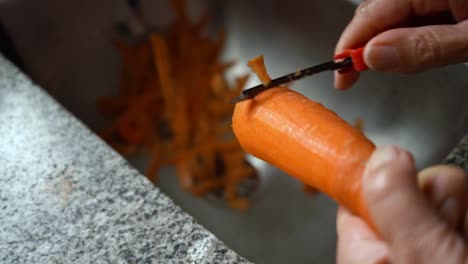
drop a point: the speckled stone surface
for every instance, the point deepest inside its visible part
(65, 197)
(459, 156)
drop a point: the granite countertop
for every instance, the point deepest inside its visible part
(459, 156)
(65, 197)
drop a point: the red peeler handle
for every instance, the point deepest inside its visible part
(357, 56)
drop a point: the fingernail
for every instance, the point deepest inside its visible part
(382, 58)
(379, 160)
(450, 211)
(381, 157)
(337, 81)
(339, 84)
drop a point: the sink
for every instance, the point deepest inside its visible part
(65, 47)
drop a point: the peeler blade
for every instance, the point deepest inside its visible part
(327, 66)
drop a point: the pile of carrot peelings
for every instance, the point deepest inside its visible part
(173, 105)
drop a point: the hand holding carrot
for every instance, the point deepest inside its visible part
(428, 226)
(407, 35)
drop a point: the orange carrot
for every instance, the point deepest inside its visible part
(257, 65)
(307, 141)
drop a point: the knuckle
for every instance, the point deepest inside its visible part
(406, 158)
(427, 48)
(380, 185)
(383, 179)
(364, 8)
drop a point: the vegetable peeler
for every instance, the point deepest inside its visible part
(348, 60)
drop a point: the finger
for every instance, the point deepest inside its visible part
(446, 187)
(371, 18)
(348, 223)
(408, 50)
(376, 16)
(356, 241)
(344, 81)
(459, 9)
(400, 211)
(389, 183)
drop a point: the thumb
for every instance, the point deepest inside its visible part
(407, 50)
(405, 219)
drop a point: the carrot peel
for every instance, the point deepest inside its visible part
(257, 65)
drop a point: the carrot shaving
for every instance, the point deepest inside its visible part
(359, 124)
(173, 105)
(257, 65)
(309, 189)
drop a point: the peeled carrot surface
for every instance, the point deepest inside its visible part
(307, 141)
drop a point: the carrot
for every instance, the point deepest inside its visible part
(257, 65)
(307, 141)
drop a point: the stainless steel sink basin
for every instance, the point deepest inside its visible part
(65, 46)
